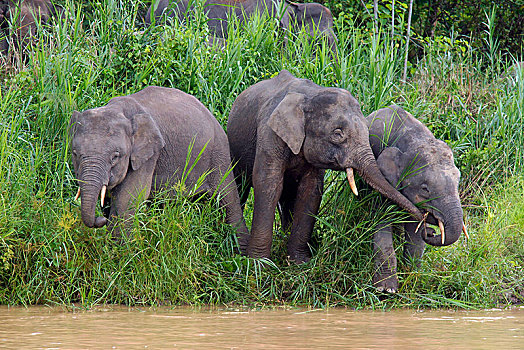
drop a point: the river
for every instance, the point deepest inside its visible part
(117, 327)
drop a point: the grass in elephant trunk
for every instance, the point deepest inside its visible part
(182, 252)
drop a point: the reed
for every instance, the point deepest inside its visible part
(180, 251)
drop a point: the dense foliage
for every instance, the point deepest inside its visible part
(181, 251)
(436, 21)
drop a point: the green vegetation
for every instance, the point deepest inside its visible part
(181, 251)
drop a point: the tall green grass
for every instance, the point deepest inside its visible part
(181, 251)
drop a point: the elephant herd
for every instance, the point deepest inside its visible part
(19, 19)
(282, 135)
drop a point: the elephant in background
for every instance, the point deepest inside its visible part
(316, 18)
(138, 144)
(284, 132)
(24, 16)
(423, 169)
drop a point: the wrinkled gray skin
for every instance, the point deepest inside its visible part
(284, 132)
(24, 16)
(399, 141)
(137, 144)
(315, 17)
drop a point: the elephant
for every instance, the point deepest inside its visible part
(24, 16)
(137, 145)
(316, 18)
(411, 158)
(283, 133)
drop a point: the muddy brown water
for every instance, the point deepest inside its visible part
(114, 327)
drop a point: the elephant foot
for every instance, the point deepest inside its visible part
(258, 254)
(385, 284)
(299, 257)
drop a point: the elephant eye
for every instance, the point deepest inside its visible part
(425, 188)
(115, 157)
(75, 154)
(338, 135)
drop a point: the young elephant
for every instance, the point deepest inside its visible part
(138, 143)
(411, 158)
(316, 18)
(284, 132)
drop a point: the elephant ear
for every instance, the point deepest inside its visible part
(146, 140)
(287, 121)
(389, 163)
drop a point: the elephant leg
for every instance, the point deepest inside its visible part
(267, 186)
(385, 277)
(309, 195)
(415, 245)
(229, 200)
(287, 203)
(135, 188)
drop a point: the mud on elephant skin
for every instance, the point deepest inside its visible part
(423, 168)
(316, 18)
(24, 16)
(284, 132)
(138, 144)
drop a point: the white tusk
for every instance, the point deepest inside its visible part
(442, 233)
(77, 194)
(351, 179)
(103, 195)
(465, 231)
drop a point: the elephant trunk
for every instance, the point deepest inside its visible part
(368, 169)
(452, 226)
(91, 184)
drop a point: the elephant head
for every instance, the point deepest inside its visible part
(329, 129)
(422, 166)
(427, 174)
(104, 145)
(315, 18)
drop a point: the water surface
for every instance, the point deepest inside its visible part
(114, 327)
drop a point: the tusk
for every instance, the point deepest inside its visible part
(77, 194)
(465, 231)
(421, 221)
(103, 195)
(351, 179)
(442, 233)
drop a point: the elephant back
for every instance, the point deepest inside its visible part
(394, 127)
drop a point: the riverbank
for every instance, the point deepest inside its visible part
(181, 252)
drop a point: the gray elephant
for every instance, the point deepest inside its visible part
(314, 17)
(412, 159)
(138, 144)
(284, 132)
(24, 16)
